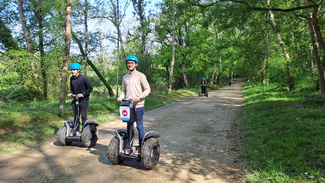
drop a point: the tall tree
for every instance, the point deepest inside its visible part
(172, 63)
(316, 34)
(64, 72)
(85, 56)
(101, 77)
(32, 82)
(139, 8)
(38, 11)
(117, 20)
(284, 50)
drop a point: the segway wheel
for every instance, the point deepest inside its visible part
(113, 151)
(206, 94)
(61, 136)
(150, 153)
(89, 136)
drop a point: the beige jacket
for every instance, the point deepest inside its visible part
(135, 85)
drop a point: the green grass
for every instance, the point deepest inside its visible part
(283, 135)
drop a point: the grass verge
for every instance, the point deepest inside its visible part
(283, 135)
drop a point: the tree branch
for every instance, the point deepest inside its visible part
(101, 77)
(197, 3)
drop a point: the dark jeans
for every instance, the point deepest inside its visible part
(203, 89)
(139, 117)
(83, 107)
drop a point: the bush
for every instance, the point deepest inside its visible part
(16, 94)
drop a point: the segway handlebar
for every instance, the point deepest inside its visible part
(127, 100)
(76, 97)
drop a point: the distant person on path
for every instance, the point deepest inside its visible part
(136, 87)
(204, 84)
(81, 86)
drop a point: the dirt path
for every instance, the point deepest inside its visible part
(198, 144)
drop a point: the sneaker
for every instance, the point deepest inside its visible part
(138, 151)
(77, 133)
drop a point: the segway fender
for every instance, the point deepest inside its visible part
(88, 122)
(121, 136)
(150, 134)
(68, 123)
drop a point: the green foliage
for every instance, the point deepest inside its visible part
(16, 93)
(6, 38)
(283, 135)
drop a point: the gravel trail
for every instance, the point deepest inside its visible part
(199, 143)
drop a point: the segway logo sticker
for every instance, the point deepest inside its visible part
(124, 113)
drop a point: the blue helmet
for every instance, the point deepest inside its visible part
(76, 66)
(203, 77)
(132, 58)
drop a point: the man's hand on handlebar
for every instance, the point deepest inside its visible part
(134, 100)
(80, 95)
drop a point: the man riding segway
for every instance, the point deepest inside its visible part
(135, 88)
(80, 88)
(204, 85)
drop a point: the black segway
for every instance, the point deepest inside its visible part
(68, 133)
(121, 147)
(203, 94)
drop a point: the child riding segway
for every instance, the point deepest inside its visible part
(121, 147)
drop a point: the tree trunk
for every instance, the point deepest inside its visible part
(66, 59)
(312, 22)
(101, 77)
(116, 20)
(139, 9)
(39, 16)
(317, 29)
(85, 57)
(212, 80)
(32, 81)
(290, 79)
(184, 75)
(266, 61)
(171, 71)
